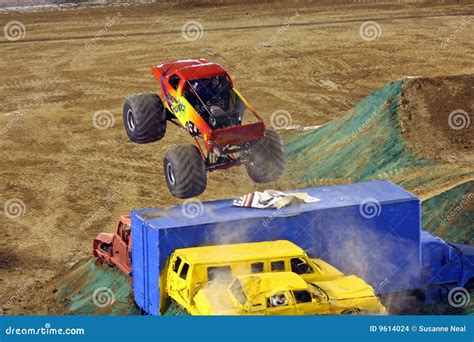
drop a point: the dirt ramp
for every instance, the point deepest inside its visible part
(94, 288)
(417, 132)
(435, 117)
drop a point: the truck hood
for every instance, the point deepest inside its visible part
(327, 271)
(346, 288)
(213, 300)
(105, 237)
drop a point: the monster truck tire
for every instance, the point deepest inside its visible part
(144, 118)
(185, 171)
(266, 160)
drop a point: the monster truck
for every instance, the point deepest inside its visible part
(200, 97)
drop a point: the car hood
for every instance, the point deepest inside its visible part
(213, 300)
(326, 271)
(105, 238)
(346, 288)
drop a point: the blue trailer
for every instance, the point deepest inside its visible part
(371, 229)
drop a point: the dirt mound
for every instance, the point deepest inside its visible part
(404, 132)
(435, 117)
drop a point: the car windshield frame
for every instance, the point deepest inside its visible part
(318, 292)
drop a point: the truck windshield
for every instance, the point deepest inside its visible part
(238, 292)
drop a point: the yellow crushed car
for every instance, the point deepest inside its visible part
(286, 293)
(190, 269)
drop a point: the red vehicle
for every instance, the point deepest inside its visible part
(200, 97)
(115, 248)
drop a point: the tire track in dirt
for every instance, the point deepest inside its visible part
(247, 27)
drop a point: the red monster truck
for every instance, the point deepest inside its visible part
(200, 97)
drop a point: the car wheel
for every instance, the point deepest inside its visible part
(351, 312)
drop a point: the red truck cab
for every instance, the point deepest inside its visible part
(115, 248)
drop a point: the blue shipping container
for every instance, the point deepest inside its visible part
(371, 229)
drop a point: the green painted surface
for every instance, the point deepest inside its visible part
(358, 146)
(451, 214)
(93, 288)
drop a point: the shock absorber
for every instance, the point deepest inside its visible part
(212, 157)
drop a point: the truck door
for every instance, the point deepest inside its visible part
(120, 245)
(174, 100)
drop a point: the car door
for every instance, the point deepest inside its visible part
(304, 302)
(178, 274)
(182, 283)
(120, 247)
(280, 303)
(309, 304)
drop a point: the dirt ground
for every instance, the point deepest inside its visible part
(68, 168)
(435, 119)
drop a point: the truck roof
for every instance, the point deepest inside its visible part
(240, 252)
(222, 211)
(191, 69)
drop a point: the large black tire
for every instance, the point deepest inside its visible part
(266, 160)
(144, 118)
(185, 171)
